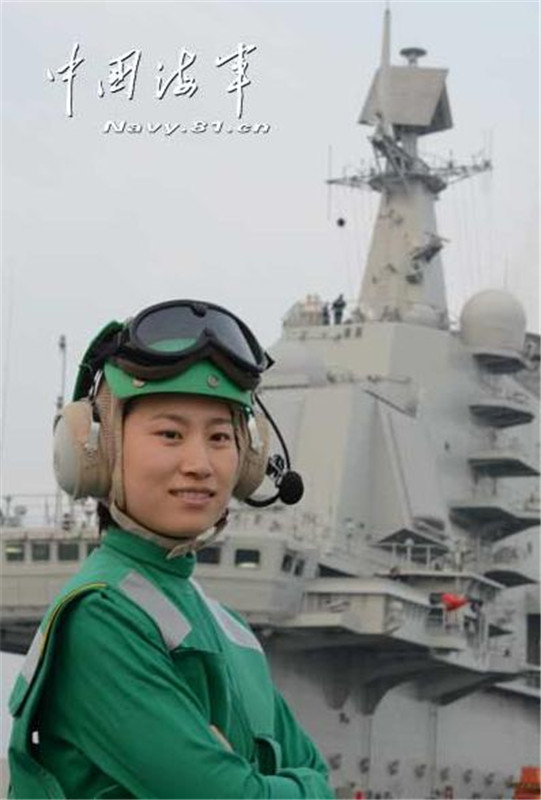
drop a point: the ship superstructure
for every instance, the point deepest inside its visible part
(399, 602)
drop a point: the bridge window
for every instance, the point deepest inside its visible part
(287, 562)
(68, 551)
(209, 555)
(299, 567)
(14, 551)
(41, 551)
(249, 559)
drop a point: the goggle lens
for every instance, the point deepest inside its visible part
(174, 328)
(166, 339)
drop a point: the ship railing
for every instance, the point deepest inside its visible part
(21, 511)
(396, 604)
(437, 625)
(431, 626)
(501, 392)
(472, 631)
(56, 511)
(314, 312)
(308, 529)
(304, 526)
(325, 602)
(506, 555)
(513, 445)
(510, 554)
(514, 558)
(483, 492)
(420, 556)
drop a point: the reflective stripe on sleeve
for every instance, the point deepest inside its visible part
(232, 628)
(37, 647)
(32, 657)
(173, 626)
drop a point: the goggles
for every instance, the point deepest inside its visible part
(168, 338)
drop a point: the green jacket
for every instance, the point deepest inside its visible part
(132, 681)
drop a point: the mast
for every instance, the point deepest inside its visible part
(403, 279)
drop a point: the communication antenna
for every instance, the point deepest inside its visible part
(329, 173)
(383, 83)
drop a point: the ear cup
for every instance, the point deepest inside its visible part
(80, 461)
(253, 463)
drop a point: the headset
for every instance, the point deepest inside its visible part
(83, 465)
(88, 431)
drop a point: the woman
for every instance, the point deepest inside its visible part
(138, 684)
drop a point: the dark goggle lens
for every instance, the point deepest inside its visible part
(175, 329)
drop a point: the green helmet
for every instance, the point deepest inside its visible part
(179, 347)
(202, 378)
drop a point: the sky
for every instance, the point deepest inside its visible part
(96, 225)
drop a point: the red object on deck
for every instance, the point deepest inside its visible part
(529, 786)
(453, 601)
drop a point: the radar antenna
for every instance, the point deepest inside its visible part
(395, 142)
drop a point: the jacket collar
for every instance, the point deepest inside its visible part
(133, 546)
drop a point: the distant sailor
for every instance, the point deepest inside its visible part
(338, 307)
(138, 684)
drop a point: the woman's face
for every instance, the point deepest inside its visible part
(180, 463)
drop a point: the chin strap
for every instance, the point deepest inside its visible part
(174, 545)
(193, 545)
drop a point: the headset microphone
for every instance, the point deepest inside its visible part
(289, 483)
(291, 488)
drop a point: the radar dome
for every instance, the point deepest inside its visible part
(493, 319)
(295, 365)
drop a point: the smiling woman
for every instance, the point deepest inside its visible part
(180, 463)
(137, 684)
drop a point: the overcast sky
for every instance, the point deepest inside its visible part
(97, 225)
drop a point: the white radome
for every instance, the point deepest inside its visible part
(493, 318)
